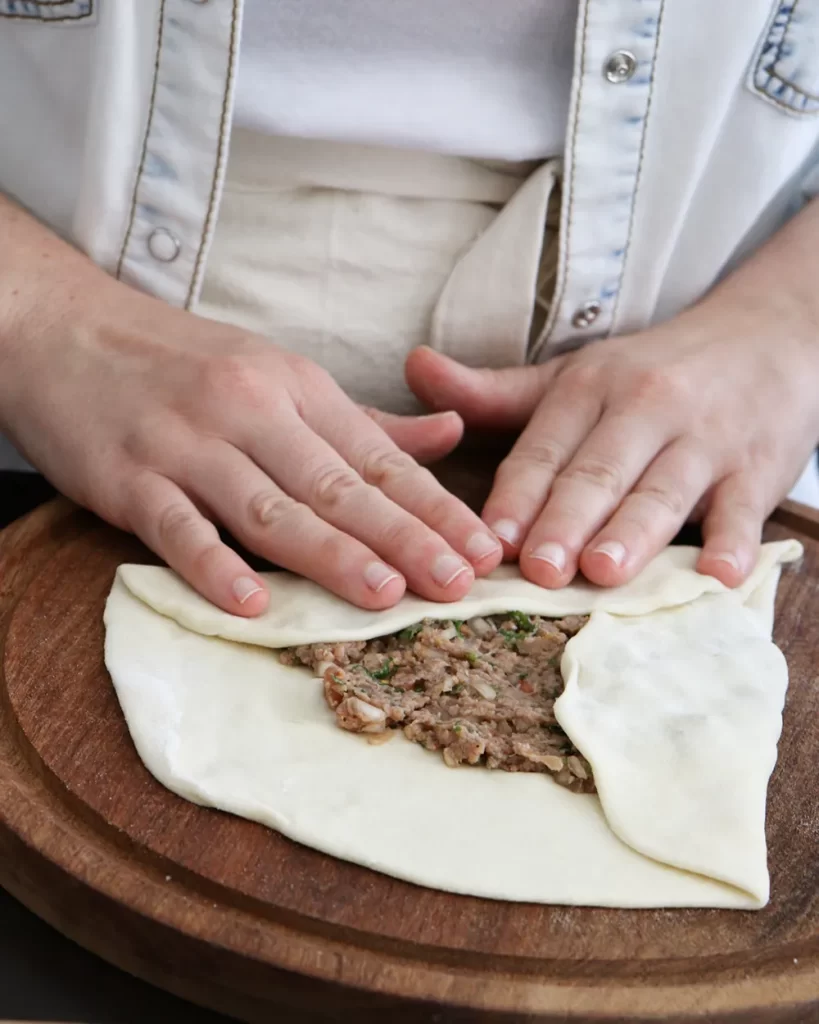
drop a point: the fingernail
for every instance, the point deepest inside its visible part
(508, 530)
(613, 550)
(377, 576)
(728, 558)
(551, 553)
(446, 569)
(480, 546)
(244, 588)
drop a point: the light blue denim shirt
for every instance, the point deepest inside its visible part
(692, 137)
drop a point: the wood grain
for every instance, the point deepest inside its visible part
(800, 519)
(234, 916)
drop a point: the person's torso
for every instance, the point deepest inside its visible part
(692, 135)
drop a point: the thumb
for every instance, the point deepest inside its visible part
(425, 438)
(498, 399)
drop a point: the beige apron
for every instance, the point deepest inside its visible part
(354, 255)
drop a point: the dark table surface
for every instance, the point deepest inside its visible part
(43, 976)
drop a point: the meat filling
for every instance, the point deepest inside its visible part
(482, 692)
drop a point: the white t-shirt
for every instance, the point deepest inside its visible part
(475, 78)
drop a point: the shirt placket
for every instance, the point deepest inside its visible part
(615, 57)
(176, 193)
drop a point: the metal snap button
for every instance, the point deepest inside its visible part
(587, 314)
(163, 245)
(620, 66)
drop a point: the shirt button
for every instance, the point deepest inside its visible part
(587, 314)
(163, 245)
(620, 66)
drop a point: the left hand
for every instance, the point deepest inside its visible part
(710, 416)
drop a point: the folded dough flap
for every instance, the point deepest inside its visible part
(301, 612)
(679, 713)
(673, 691)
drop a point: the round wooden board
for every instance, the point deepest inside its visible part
(232, 915)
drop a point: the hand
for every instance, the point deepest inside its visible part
(162, 423)
(711, 416)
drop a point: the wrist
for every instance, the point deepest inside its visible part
(775, 290)
(49, 295)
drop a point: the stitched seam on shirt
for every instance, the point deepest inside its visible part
(220, 156)
(144, 155)
(784, 81)
(557, 300)
(49, 21)
(51, 3)
(640, 161)
(781, 43)
(763, 92)
(774, 75)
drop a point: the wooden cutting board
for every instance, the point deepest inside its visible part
(232, 915)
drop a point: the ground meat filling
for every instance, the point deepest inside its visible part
(481, 692)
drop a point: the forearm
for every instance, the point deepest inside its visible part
(46, 287)
(777, 288)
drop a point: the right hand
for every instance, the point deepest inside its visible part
(163, 423)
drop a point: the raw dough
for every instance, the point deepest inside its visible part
(303, 613)
(682, 778)
(676, 700)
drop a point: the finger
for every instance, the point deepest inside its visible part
(425, 438)
(265, 520)
(732, 529)
(698, 512)
(499, 399)
(310, 470)
(650, 516)
(382, 465)
(522, 483)
(165, 519)
(585, 494)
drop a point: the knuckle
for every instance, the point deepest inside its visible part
(669, 499)
(269, 507)
(136, 446)
(541, 453)
(333, 486)
(137, 481)
(147, 439)
(604, 474)
(579, 376)
(176, 524)
(206, 556)
(661, 385)
(233, 379)
(138, 496)
(334, 549)
(381, 466)
(745, 507)
(372, 413)
(762, 456)
(399, 533)
(440, 509)
(308, 378)
(314, 374)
